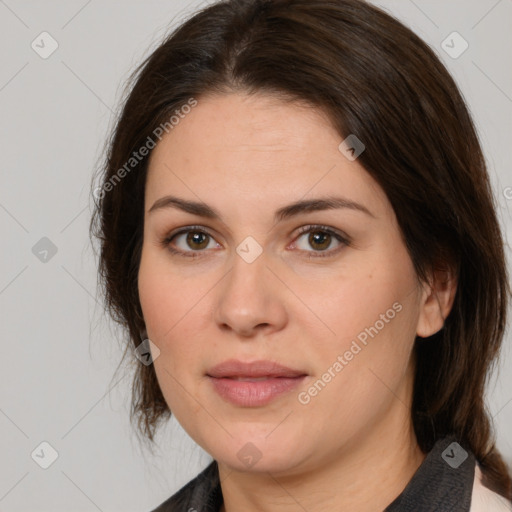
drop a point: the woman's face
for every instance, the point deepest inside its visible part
(337, 304)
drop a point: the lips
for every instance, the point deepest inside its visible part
(255, 370)
(253, 384)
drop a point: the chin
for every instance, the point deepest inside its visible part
(258, 454)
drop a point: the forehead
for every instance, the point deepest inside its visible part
(237, 122)
(240, 147)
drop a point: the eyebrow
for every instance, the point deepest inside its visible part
(305, 206)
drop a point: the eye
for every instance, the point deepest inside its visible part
(193, 240)
(190, 241)
(320, 238)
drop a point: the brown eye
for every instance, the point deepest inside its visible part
(320, 239)
(197, 240)
(190, 242)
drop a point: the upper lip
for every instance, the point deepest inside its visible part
(234, 368)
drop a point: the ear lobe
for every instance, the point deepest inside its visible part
(436, 302)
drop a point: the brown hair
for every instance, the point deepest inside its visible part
(374, 78)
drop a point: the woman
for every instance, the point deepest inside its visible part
(296, 221)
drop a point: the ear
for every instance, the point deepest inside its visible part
(436, 301)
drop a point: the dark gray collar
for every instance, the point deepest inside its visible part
(443, 483)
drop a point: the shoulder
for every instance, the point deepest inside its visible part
(485, 500)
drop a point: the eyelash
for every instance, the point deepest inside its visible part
(344, 240)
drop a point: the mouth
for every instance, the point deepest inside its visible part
(254, 379)
(234, 369)
(253, 384)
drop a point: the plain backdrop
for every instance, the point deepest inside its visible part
(59, 352)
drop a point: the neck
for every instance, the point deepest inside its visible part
(365, 475)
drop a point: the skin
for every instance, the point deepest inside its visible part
(352, 446)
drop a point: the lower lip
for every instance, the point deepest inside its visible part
(254, 393)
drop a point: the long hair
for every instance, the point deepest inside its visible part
(375, 78)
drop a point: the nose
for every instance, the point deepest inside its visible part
(250, 299)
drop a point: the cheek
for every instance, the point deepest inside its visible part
(356, 381)
(371, 316)
(165, 297)
(353, 295)
(168, 312)
(353, 302)
(177, 313)
(158, 302)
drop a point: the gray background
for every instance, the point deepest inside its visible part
(59, 353)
